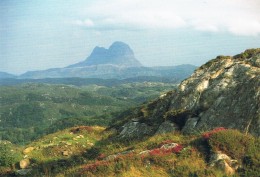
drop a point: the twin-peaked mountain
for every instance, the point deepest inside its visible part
(118, 62)
(119, 54)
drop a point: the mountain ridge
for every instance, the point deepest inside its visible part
(116, 62)
(113, 72)
(6, 75)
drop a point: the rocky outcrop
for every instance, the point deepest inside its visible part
(224, 163)
(224, 92)
(167, 127)
(135, 130)
(190, 124)
(28, 150)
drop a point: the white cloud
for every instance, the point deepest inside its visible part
(245, 27)
(84, 23)
(239, 17)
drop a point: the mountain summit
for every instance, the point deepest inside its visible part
(119, 53)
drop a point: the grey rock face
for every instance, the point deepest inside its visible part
(224, 92)
(167, 127)
(135, 130)
(190, 125)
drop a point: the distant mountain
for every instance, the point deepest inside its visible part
(119, 54)
(6, 75)
(114, 72)
(117, 62)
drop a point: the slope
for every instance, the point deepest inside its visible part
(224, 92)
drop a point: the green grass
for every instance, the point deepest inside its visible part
(90, 147)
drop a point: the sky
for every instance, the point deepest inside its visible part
(37, 34)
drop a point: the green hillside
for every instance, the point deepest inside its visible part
(31, 110)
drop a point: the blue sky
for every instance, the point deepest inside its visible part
(36, 34)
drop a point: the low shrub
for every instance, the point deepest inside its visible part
(101, 156)
(248, 53)
(81, 128)
(93, 167)
(208, 134)
(9, 155)
(162, 151)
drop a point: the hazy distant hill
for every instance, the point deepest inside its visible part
(6, 75)
(86, 81)
(117, 62)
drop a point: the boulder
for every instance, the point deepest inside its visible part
(111, 157)
(66, 153)
(224, 166)
(23, 172)
(28, 150)
(169, 146)
(224, 163)
(190, 125)
(167, 127)
(145, 152)
(135, 130)
(24, 163)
